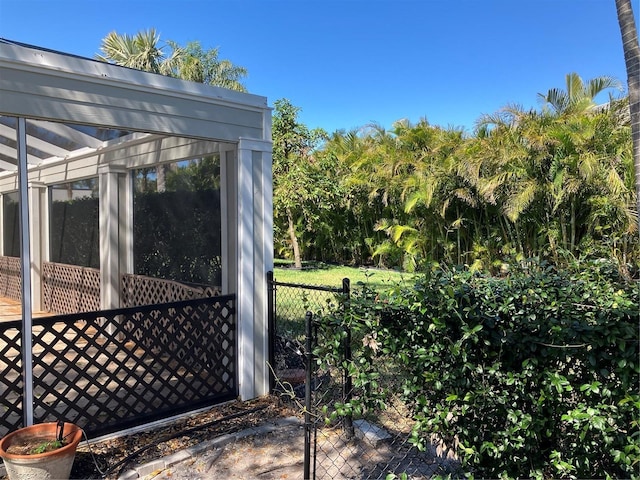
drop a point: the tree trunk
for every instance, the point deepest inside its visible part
(161, 185)
(297, 260)
(573, 225)
(632, 61)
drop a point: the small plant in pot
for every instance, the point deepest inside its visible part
(41, 452)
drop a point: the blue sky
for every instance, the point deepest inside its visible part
(350, 63)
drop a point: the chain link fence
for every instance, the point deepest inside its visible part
(350, 432)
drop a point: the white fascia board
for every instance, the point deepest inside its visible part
(131, 139)
(40, 95)
(95, 71)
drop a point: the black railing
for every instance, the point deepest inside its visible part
(110, 370)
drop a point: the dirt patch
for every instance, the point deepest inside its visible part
(260, 439)
(275, 450)
(274, 454)
(115, 456)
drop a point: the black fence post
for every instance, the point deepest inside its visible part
(347, 384)
(271, 326)
(308, 426)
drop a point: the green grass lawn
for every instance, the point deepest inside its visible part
(332, 275)
(293, 303)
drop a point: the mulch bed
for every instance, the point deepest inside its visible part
(120, 454)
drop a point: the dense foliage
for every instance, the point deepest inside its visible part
(74, 235)
(532, 374)
(302, 189)
(556, 183)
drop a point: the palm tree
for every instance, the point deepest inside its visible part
(579, 96)
(144, 52)
(559, 180)
(205, 66)
(511, 153)
(141, 51)
(632, 60)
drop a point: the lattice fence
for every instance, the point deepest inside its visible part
(10, 278)
(110, 370)
(141, 290)
(11, 383)
(70, 288)
(73, 289)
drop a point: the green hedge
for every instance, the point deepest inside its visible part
(531, 375)
(75, 236)
(177, 236)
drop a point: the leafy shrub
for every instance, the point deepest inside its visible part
(177, 236)
(534, 374)
(75, 237)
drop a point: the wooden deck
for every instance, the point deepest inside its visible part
(11, 309)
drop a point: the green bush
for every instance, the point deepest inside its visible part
(75, 235)
(530, 375)
(177, 236)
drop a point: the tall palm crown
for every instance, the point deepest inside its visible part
(143, 51)
(578, 96)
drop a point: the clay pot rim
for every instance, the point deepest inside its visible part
(72, 431)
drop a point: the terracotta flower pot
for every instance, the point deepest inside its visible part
(51, 465)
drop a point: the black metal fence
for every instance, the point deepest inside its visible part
(110, 370)
(347, 434)
(288, 304)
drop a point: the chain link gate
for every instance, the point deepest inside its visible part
(373, 444)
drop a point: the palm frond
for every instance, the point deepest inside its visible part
(518, 202)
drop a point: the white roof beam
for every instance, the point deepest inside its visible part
(67, 132)
(13, 153)
(8, 166)
(35, 142)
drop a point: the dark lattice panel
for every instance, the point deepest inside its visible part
(11, 384)
(113, 369)
(141, 290)
(70, 289)
(10, 278)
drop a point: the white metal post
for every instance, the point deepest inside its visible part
(245, 287)
(25, 271)
(254, 258)
(110, 235)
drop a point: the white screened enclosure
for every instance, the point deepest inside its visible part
(76, 129)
